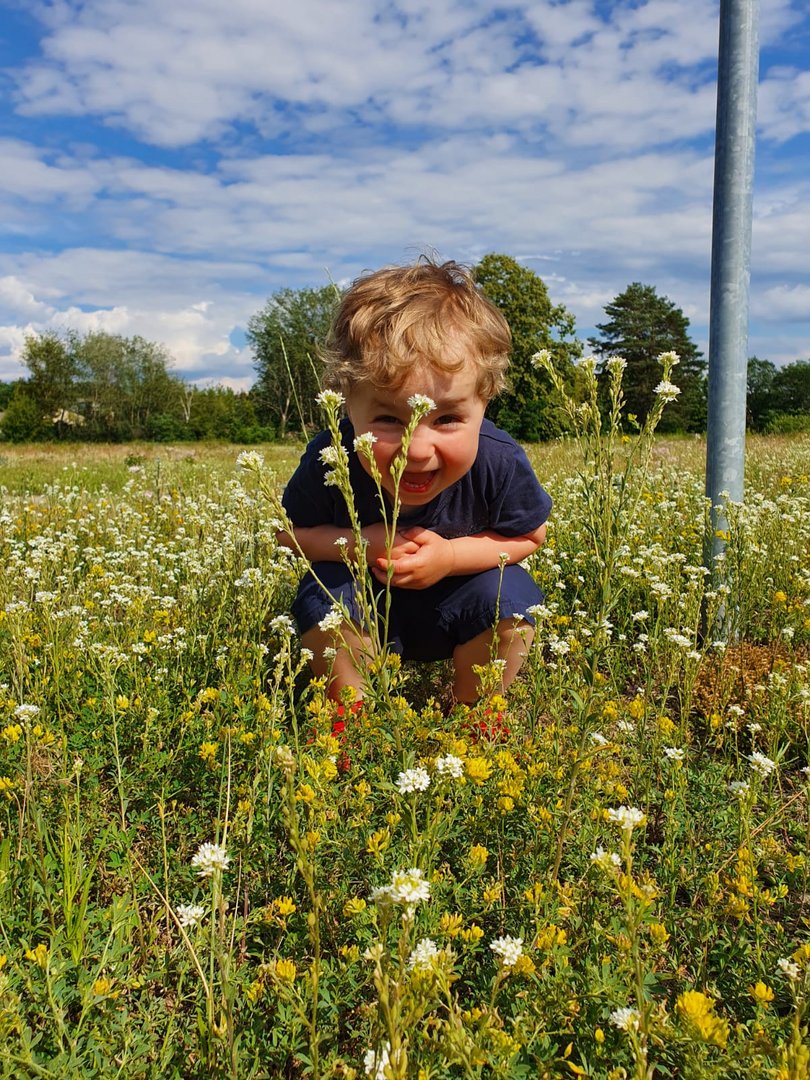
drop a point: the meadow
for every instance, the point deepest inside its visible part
(198, 879)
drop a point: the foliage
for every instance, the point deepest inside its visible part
(22, 418)
(190, 885)
(641, 325)
(530, 408)
(760, 375)
(285, 336)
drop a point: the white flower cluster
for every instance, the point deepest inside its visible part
(210, 858)
(626, 1019)
(450, 765)
(376, 1062)
(674, 753)
(333, 620)
(608, 860)
(190, 914)
(363, 443)
(626, 817)
(508, 949)
(789, 968)
(26, 712)
(249, 461)
(412, 780)
(330, 399)
(421, 403)
(407, 887)
(423, 955)
(761, 764)
(739, 788)
(666, 390)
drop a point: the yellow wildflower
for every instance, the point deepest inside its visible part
(378, 841)
(39, 955)
(450, 924)
(478, 769)
(492, 892)
(208, 753)
(610, 710)
(761, 993)
(255, 991)
(506, 804)
(285, 906)
(636, 708)
(285, 971)
(477, 856)
(355, 906)
(471, 934)
(665, 725)
(779, 597)
(122, 702)
(697, 1011)
(12, 733)
(305, 793)
(659, 933)
(102, 986)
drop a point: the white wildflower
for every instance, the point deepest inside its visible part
(626, 1019)
(761, 764)
(666, 390)
(421, 404)
(616, 365)
(508, 949)
(333, 620)
(363, 443)
(412, 780)
(598, 739)
(671, 358)
(26, 712)
(789, 968)
(674, 753)
(422, 957)
(210, 858)
(190, 914)
(608, 860)
(407, 887)
(626, 817)
(739, 788)
(330, 399)
(249, 461)
(542, 359)
(376, 1062)
(450, 765)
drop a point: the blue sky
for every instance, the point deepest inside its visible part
(166, 167)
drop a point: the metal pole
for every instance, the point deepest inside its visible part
(738, 68)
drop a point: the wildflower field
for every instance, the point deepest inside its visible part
(198, 879)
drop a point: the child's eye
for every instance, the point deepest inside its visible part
(386, 420)
(444, 420)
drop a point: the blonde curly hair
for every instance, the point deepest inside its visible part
(394, 320)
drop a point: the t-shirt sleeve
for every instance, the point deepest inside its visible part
(521, 505)
(307, 500)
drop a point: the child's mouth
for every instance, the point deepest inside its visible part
(416, 483)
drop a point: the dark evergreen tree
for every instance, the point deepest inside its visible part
(641, 325)
(759, 397)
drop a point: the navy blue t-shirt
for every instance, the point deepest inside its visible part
(499, 493)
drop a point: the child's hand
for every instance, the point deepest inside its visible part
(423, 559)
(376, 537)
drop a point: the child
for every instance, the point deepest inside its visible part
(469, 498)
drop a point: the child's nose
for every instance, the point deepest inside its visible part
(421, 447)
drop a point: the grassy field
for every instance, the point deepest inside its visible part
(198, 880)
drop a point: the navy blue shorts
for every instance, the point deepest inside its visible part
(425, 624)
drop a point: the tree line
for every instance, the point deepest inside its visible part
(111, 388)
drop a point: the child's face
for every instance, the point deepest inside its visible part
(445, 443)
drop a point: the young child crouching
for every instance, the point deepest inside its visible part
(469, 497)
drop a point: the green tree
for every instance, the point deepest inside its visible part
(22, 419)
(529, 408)
(285, 336)
(641, 325)
(790, 389)
(55, 375)
(759, 396)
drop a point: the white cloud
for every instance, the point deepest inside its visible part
(341, 136)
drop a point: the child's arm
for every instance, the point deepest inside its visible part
(437, 558)
(319, 543)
